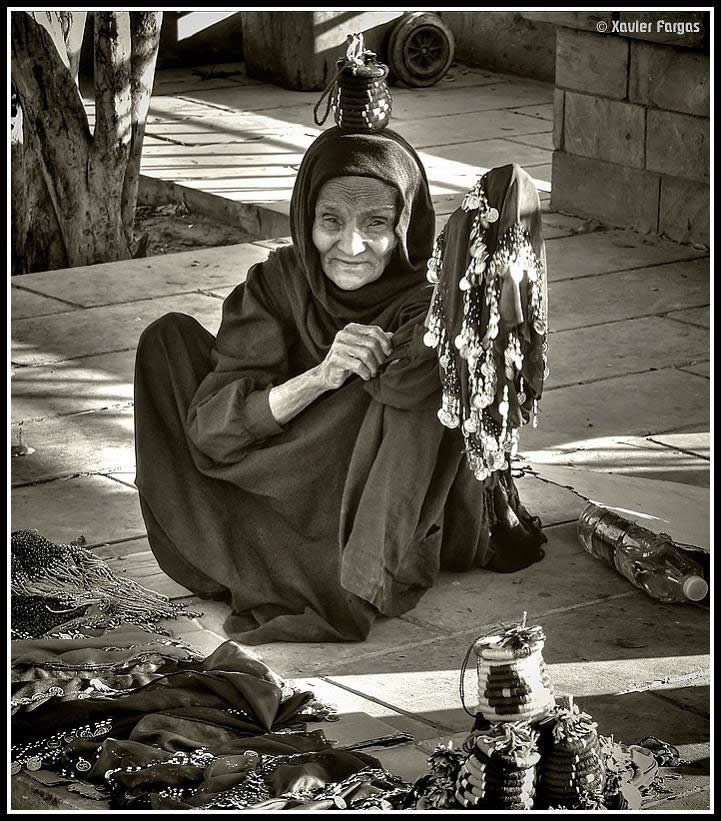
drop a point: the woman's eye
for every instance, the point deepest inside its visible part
(330, 222)
(380, 222)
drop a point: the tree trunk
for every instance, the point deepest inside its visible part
(80, 203)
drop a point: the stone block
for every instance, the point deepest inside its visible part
(604, 129)
(611, 193)
(559, 100)
(594, 63)
(685, 210)
(678, 145)
(669, 78)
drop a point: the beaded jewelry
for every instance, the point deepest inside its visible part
(58, 589)
(491, 363)
(47, 752)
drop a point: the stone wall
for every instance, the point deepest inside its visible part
(631, 133)
(503, 41)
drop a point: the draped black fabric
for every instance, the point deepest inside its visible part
(183, 739)
(312, 528)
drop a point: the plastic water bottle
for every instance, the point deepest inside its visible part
(652, 561)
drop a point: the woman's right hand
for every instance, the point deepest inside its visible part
(356, 349)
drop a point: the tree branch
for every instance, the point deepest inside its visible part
(53, 111)
(113, 99)
(145, 35)
(73, 25)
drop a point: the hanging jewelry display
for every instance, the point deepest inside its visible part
(481, 358)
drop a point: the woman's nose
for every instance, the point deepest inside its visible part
(352, 242)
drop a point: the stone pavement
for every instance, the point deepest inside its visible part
(625, 415)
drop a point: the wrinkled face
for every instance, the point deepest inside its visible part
(354, 229)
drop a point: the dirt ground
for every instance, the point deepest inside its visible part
(166, 229)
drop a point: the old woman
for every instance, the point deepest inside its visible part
(294, 465)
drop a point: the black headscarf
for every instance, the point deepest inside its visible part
(400, 296)
(384, 156)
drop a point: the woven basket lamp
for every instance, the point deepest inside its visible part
(513, 683)
(358, 94)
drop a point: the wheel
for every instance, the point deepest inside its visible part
(420, 49)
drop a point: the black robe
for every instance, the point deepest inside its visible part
(349, 510)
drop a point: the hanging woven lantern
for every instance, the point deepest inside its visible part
(358, 94)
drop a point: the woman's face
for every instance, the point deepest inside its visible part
(354, 229)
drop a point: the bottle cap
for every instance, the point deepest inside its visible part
(695, 588)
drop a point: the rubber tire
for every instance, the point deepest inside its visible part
(409, 26)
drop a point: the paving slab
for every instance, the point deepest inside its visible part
(163, 275)
(540, 112)
(484, 154)
(229, 128)
(462, 601)
(630, 717)
(700, 369)
(72, 387)
(556, 224)
(637, 457)
(582, 652)
(84, 443)
(407, 761)
(552, 504)
(408, 103)
(258, 97)
(629, 294)
(242, 156)
(681, 510)
(136, 561)
(257, 150)
(176, 80)
(696, 316)
(423, 134)
(698, 443)
(597, 352)
(102, 330)
(66, 509)
(544, 141)
(601, 252)
(461, 75)
(26, 303)
(293, 659)
(695, 800)
(639, 404)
